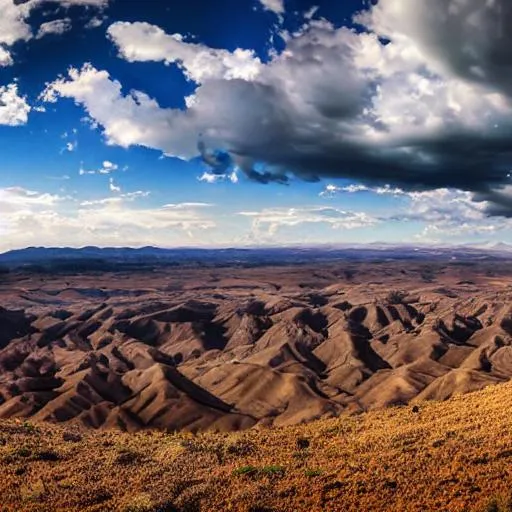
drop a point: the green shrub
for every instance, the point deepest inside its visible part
(245, 470)
(311, 473)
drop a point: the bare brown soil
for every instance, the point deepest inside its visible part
(234, 348)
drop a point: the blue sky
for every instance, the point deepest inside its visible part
(250, 122)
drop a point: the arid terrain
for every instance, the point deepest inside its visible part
(452, 456)
(227, 349)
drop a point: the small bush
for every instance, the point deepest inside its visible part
(30, 428)
(127, 457)
(302, 443)
(273, 470)
(241, 448)
(23, 452)
(48, 455)
(312, 473)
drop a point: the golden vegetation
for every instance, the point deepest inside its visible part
(450, 456)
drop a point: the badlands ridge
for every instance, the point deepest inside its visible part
(234, 348)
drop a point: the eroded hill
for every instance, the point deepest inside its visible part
(229, 349)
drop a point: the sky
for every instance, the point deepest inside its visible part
(255, 122)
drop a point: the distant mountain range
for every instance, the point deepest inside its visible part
(249, 256)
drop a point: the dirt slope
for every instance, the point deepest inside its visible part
(444, 456)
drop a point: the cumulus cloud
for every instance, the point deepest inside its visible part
(134, 119)
(14, 109)
(421, 99)
(141, 42)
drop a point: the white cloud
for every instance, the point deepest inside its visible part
(310, 13)
(62, 177)
(184, 206)
(99, 4)
(332, 190)
(444, 212)
(270, 220)
(135, 119)
(141, 42)
(5, 58)
(211, 178)
(14, 109)
(14, 26)
(95, 22)
(16, 198)
(276, 6)
(71, 146)
(113, 187)
(129, 196)
(29, 218)
(55, 27)
(106, 168)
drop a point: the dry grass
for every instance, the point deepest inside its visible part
(452, 456)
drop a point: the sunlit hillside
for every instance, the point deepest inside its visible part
(444, 456)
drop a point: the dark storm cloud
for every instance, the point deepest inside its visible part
(471, 38)
(321, 135)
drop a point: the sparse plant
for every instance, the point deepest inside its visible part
(302, 443)
(33, 492)
(301, 455)
(140, 503)
(47, 455)
(127, 457)
(245, 471)
(272, 470)
(23, 452)
(396, 297)
(241, 448)
(499, 504)
(30, 428)
(312, 473)
(71, 437)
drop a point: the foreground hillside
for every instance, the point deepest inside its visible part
(233, 348)
(449, 456)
